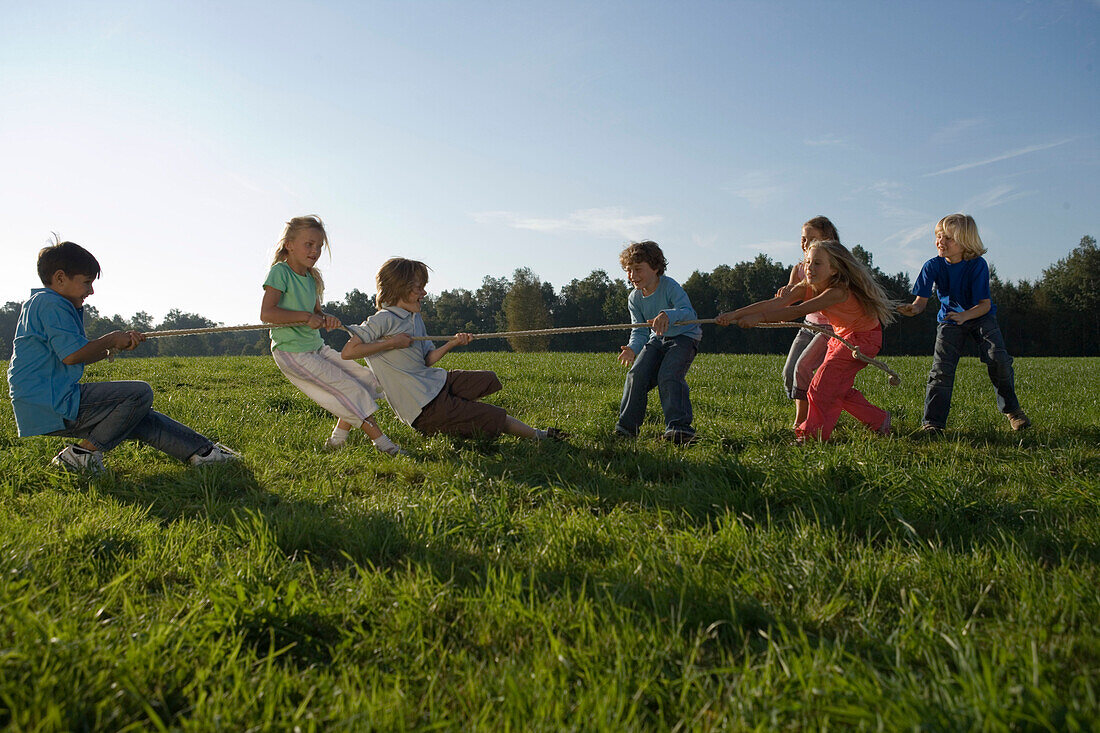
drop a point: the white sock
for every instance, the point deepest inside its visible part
(540, 434)
(338, 436)
(384, 444)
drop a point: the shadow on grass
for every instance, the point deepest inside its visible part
(835, 489)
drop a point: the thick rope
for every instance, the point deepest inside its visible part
(894, 377)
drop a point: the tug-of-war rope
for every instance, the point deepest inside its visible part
(893, 377)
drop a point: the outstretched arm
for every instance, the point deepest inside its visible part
(792, 295)
(459, 339)
(356, 348)
(101, 347)
(270, 312)
(912, 309)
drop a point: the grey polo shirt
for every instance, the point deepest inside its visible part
(409, 383)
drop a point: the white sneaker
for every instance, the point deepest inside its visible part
(78, 460)
(218, 453)
(332, 444)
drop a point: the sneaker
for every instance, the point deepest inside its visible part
(884, 429)
(79, 460)
(1018, 420)
(620, 434)
(931, 431)
(217, 453)
(396, 450)
(680, 437)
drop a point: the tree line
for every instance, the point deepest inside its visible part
(1057, 315)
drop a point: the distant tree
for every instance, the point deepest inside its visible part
(9, 318)
(489, 299)
(197, 345)
(525, 309)
(1069, 290)
(595, 300)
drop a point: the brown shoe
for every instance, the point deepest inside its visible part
(1018, 420)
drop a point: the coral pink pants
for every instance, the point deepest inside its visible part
(831, 390)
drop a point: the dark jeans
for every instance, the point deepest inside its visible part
(663, 364)
(111, 412)
(950, 339)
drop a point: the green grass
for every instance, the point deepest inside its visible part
(743, 583)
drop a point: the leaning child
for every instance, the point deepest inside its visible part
(843, 288)
(292, 295)
(428, 399)
(49, 353)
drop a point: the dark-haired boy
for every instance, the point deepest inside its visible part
(48, 357)
(658, 356)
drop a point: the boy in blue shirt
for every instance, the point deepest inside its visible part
(48, 357)
(661, 355)
(960, 277)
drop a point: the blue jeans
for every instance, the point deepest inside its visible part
(806, 354)
(950, 339)
(111, 412)
(663, 364)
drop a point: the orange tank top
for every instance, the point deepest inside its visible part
(849, 316)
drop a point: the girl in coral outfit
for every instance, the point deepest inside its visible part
(844, 290)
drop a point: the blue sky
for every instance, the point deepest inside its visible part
(174, 139)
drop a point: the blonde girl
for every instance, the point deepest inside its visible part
(960, 276)
(292, 293)
(844, 290)
(808, 348)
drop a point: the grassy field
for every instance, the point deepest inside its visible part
(743, 583)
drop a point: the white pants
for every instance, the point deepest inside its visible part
(345, 388)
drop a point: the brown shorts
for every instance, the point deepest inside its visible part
(455, 410)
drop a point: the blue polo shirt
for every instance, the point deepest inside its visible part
(44, 390)
(959, 286)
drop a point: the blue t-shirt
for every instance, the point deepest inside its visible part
(959, 286)
(668, 297)
(44, 389)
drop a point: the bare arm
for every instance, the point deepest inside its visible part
(826, 299)
(98, 349)
(971, 313)
(912, 309)
(270, 312)
(459, 339)
(780, 301)
(355, 348)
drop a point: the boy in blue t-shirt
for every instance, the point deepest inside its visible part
(48, 357)
(658, 356)
(960, 277)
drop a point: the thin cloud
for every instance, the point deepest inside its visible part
(998, 158)
(995, 196)
(605, 222)
(909, 235)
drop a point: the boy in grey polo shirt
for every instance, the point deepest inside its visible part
(430, 399)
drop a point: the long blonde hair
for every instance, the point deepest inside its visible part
(857, 278)
(290, 231)
(964, 230)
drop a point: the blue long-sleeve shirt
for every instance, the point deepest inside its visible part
(668, 297)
